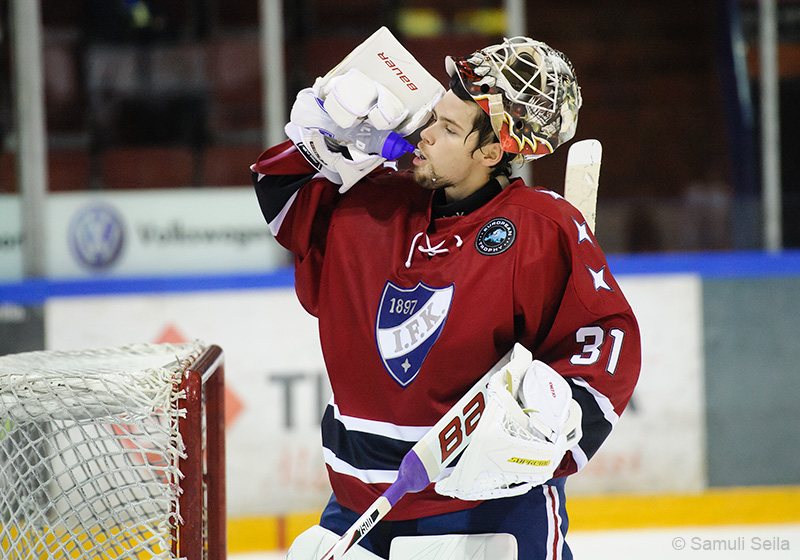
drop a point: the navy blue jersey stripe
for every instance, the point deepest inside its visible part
(274, 192)
(594, 424)
(362, 450)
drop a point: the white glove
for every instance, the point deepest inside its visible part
(355, 95)
(546, 398)
(341, 165)
(514, 449)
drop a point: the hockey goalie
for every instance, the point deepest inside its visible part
(478, 347)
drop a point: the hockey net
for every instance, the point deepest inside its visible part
(113, 453)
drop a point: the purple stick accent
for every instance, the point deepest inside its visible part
(411, 477)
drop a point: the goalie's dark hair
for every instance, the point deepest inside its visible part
(483, 126)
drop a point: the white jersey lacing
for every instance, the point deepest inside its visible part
(429, 250)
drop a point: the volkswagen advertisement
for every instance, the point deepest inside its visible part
(144, 233)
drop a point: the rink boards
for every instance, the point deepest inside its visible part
(713, 410)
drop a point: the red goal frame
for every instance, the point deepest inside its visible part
(203, 485)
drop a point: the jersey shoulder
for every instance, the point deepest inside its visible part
(545, 203)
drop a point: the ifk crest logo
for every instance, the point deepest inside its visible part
(410, 321)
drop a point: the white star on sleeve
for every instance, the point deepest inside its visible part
(598, 277)
(554, 194)
(583, 232)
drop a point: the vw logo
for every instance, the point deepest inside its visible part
(97, 236)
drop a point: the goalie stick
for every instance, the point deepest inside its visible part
(581, 180)
(425, 461)
(452, 433)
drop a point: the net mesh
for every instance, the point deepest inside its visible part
(89, 451)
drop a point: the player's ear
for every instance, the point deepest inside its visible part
(491, 154)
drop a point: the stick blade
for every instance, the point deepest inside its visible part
(582, 177)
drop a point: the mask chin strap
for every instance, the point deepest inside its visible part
(496, 112)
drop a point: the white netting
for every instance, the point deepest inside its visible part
(89, 451)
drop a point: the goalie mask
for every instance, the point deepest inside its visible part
(528, 90)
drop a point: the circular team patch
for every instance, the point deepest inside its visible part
(495, 237)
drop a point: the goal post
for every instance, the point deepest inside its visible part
(203, 483)
(113, 453)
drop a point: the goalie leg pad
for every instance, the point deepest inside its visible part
(496, 546)
(313, 543)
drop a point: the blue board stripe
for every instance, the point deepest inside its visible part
(707, 265)
(37, 291)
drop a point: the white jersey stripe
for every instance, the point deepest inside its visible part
(602, 401)
(275, 225)
(385, 429)
(551, 523)
(580, 456)
(555, 540)
(366, 476)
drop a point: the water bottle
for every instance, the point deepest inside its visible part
(370, 140)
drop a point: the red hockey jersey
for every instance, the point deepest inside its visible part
(414, 310)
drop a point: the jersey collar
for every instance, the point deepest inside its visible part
(440, 208)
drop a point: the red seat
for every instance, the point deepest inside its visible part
(228, 166)
(8, 173)
(146, 168)
(68, 170)
(234, 78)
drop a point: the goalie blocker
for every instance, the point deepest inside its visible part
(379, 84)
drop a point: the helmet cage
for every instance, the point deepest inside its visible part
(529, 91)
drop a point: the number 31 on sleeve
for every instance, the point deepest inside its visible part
(592, 339)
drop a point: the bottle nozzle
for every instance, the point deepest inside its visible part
(396, 146)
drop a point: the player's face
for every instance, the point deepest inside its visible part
(449, 158)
